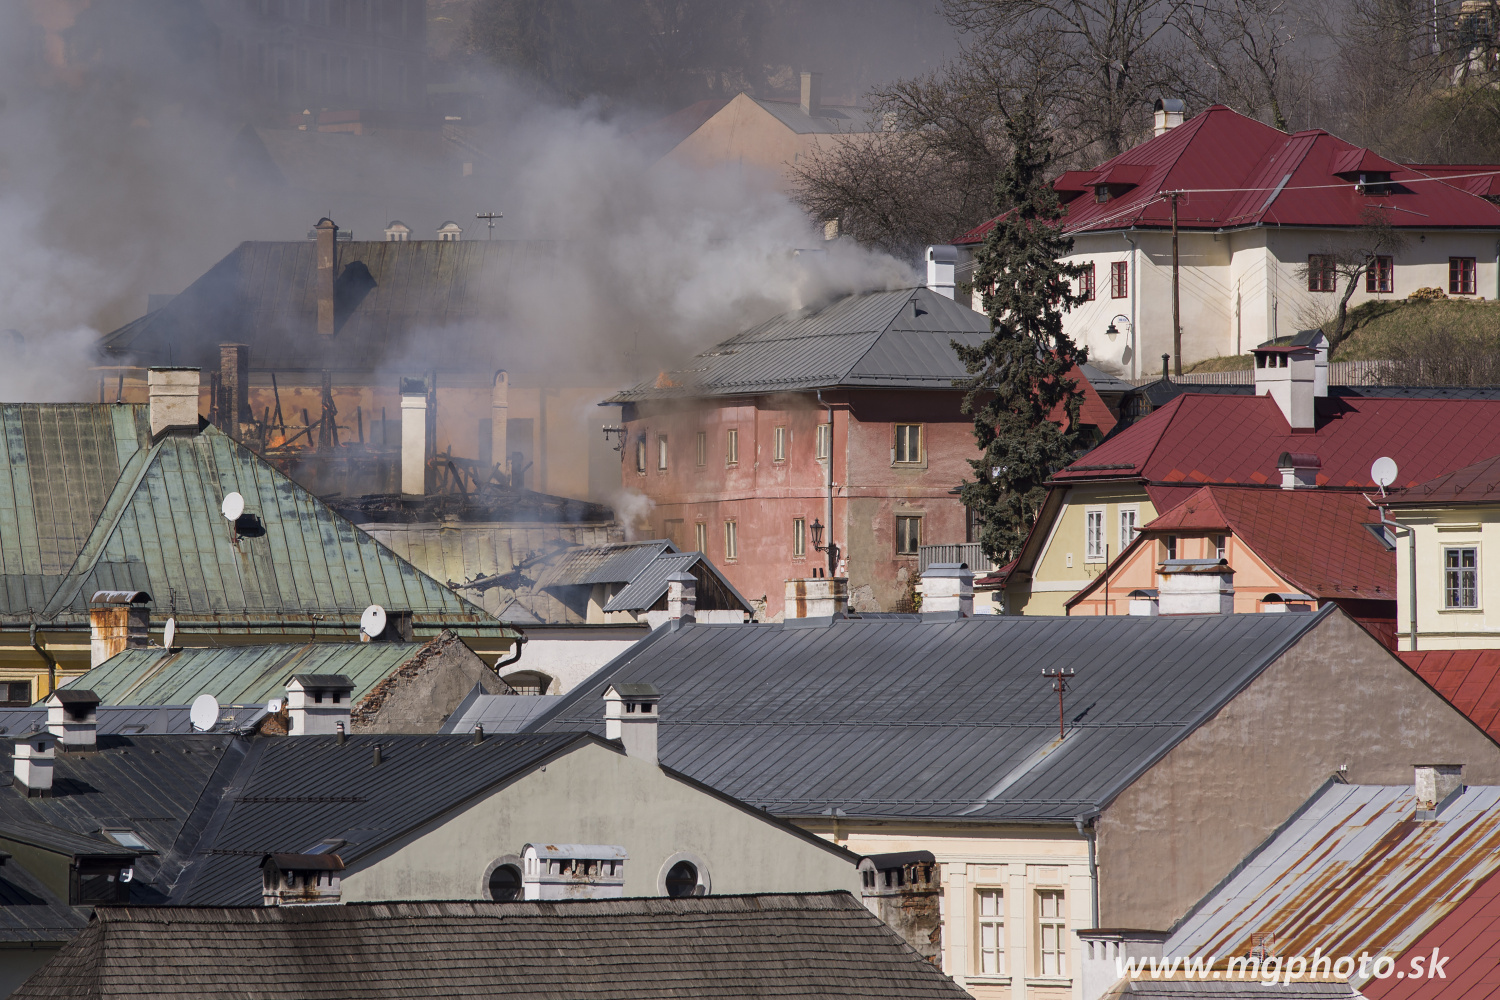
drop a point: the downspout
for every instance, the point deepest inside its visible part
(520, 644)
(51, 663)
(1085, 826)
(1411, 551)
(832, 569)
(1135, 340)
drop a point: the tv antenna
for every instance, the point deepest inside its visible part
(1059, 677)
(490, 218)
(1383, 472)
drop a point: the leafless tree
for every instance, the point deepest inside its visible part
(1246, 47)
(1351, 260)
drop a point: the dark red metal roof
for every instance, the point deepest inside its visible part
(1469, 937)
(1477, 483)
(1235, 171)
(1197, 440)
(1469, 678)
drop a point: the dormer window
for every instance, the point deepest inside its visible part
(1101, 193)
(1374, 182)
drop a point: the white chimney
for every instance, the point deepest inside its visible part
(1196, 587)
(499, 421)
(682, 596)
(317, 704)
(173, 397)
(300, 879)
(947, 587)
(1299, 470)
(1287, 373)
(573, 871)
(33, 758)
(1433, 783)
(1104, 949)
(942, 261)
(71, 718)
(413, 437)
(1144, 603)
(1168, 114)
(812, 94)
(816, 597)
(1286, 603)
(630, 716)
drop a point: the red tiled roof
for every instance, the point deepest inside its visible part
(1203, 439)
(1469, 678)
(1234, 170)
(1314, 539)
(1477, 483)
(1469, 937)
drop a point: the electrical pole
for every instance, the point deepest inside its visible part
(1176, 294)
(1059, 677)
(490, 217)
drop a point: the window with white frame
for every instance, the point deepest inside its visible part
(732, 447)
(908, 535)
(824, 437)
(661, 452)
(989, 919)
(640, 456)
(908, 443)
(1129, 521)
(778, 445)
(702, 448)
(799, 537)
(700, 537)
(1052, 933)
(1094, 547)
(731, 540)
(1221, 546)
(1461, 577)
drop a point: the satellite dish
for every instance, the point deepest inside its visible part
(274, 706)
(372, 622)
(204, 713)
(169, 633)
(234, 506)
(1383, 472)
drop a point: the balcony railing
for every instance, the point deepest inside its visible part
(964, 552)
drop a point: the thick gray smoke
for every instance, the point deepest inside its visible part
(121, 174)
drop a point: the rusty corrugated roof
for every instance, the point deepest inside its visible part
(1355, 872)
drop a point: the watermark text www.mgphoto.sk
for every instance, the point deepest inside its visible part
(1285, 970)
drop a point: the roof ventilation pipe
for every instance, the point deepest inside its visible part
(942, 262)
(630, 716)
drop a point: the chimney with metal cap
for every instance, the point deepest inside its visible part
(1144, 603)
(327, 237)
(947, 587)
(942, 262)
(812, 94)
(1196, 587)
(1168, 114)
(1299, 470)
(173, 397)
(300, 879)
(118, 620)
(630, 716)
(1288, 374)
(33, 760)
(682, 595)
(72, 718)
(316, 704)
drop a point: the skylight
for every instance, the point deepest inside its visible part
(127, 838)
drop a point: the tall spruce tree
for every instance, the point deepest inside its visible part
(1018, 377)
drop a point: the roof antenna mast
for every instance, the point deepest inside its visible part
(1060, 677)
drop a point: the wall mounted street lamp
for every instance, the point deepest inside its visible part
(616, 434)
(833, 550)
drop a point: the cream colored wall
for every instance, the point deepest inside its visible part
(1439, 627)
(597, 796)
(1019, 862)
(1061, 567)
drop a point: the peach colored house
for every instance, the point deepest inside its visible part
(1284, 549)
(770, 138)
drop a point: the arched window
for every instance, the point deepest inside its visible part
(682, 880)
(528, 682)
(505, 883)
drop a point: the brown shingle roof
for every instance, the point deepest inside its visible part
(815, 945)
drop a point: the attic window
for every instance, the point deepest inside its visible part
(1101, 193)
(326, 847)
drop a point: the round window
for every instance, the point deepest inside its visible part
(505, 883)
(682, 880)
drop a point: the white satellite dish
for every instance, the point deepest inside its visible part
(274, 706)
(372, 622)
(204, 713)
(233, 507)
(169, 634)
(1383, 472)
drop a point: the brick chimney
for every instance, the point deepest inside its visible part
(682, 596)
(233, 404)
(1195, 587)
(33, 759)
(812, 94)
(72, 718)
(630, 716)
(1299, 470)
(942, 261)
(118, 620)
(173, 397)
(947, 587)
(327, 237)
(317, 704)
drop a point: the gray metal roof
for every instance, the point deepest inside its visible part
(110, 720)
(830, 120)
(1352, 872)
(894, 339)
(29, 912)
(923, 718)
(819, 945)
(1249, 988)
(213, 805)
(643, 567)
(497, 713)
